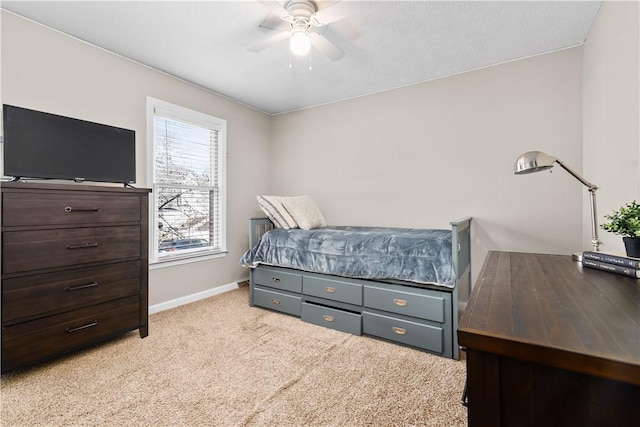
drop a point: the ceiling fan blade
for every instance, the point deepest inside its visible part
(263, 44)
(336, 12)
(274, 22)
(329, 49)
(274, 7)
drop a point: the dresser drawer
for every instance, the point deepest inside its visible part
(38, 249)
(278, 279)
(37, 295)
(415, 334)
(278, 301)
(331, 318)
(28, 342)
(54, 208)
(333, 289)
(420, 303)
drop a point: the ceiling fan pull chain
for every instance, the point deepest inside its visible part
(309, 60)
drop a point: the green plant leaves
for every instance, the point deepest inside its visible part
(625, 221)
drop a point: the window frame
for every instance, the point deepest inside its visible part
(183, 114)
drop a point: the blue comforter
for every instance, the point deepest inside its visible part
(412, 255)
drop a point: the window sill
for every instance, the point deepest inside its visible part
(184, 259)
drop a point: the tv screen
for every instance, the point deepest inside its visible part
(48, 146)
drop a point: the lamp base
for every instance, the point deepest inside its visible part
(577, 256)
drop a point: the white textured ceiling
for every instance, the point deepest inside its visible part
(387, 44)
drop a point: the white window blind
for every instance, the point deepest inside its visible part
(188, 180)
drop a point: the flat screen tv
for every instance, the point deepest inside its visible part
(49, 146)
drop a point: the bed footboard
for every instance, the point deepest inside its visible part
(461, 245)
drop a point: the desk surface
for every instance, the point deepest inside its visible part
(547, 309)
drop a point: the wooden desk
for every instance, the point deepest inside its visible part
(550, 343)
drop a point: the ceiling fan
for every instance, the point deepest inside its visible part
(302, 23)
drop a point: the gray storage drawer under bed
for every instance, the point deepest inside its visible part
(331, 318)
(411, 333)
(420, 303)
(333, 289)
(278, 279)
(279, 301)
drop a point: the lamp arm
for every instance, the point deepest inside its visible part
(595, 241)
(577, 176)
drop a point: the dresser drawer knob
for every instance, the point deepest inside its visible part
(400, 302)
(328, 318)
(276, 279)
(69, 209)
(83, 246)
(399, 331)
(79, 328)
(330, 289)
(276, 301)
(75, 288)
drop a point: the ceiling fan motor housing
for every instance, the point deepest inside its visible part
(301, 14)
(301, 8)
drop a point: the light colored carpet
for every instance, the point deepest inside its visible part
(219, 362)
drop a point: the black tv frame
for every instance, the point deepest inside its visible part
(41, 145)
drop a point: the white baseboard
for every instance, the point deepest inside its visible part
(192, 298)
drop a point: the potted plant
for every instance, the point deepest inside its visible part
(626, 222)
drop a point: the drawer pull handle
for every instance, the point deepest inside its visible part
(69, 209)
(79, 328)
(330, 289)
(328, 318)
(400, 302)
(75, 288)
(276, 301)
(83, 246)
(399, 331)
(275, 279)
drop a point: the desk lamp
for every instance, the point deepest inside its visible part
(535, 161)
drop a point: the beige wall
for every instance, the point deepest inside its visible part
(426, 154)
(612, 112)
(46, 70)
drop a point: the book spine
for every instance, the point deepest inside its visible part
(612, 259)
(612, 268)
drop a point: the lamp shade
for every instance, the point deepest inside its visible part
(533, 161)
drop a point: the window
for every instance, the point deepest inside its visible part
(187, 168)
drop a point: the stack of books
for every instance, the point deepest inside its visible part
(618, 264)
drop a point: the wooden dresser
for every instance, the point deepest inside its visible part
(74, 268)
(551, 343)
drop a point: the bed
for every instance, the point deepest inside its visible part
(407, 286)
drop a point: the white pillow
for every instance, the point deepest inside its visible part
(304, 212)
(277, 213)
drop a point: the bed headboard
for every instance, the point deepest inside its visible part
(257, 227)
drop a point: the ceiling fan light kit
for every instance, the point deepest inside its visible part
(300, 43)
